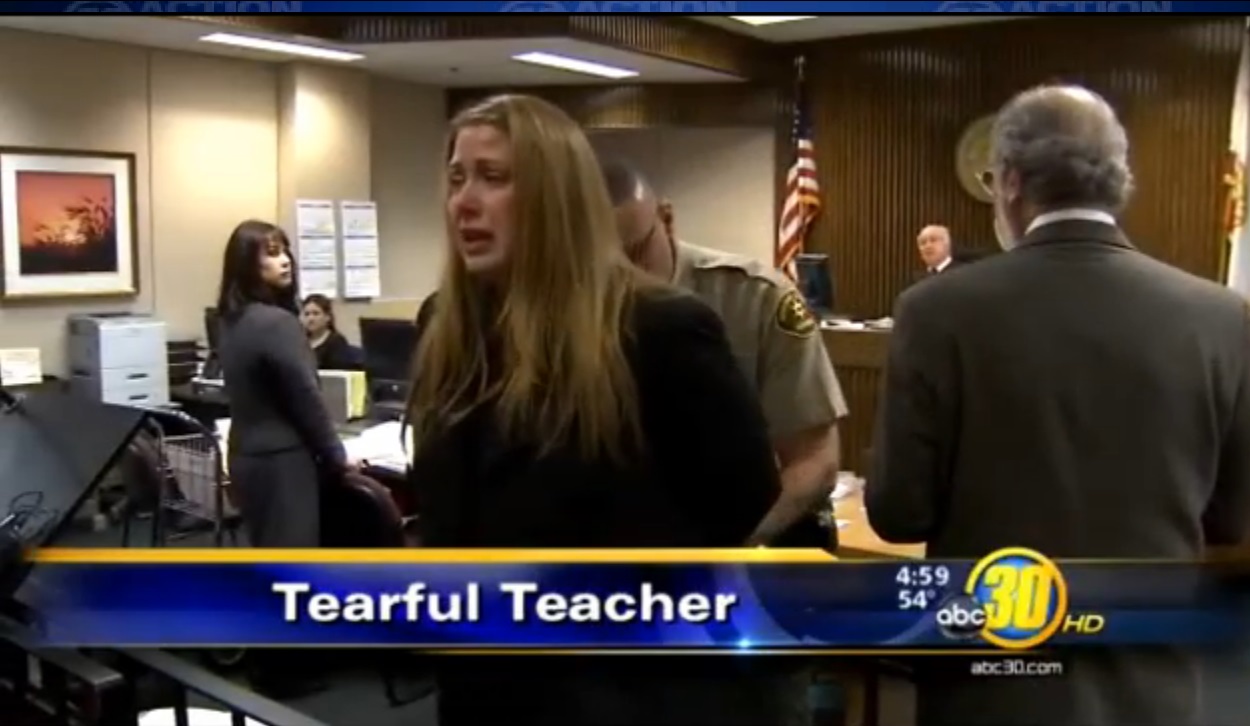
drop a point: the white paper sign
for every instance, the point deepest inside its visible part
(314, 218)
(317, 247)
(20, 367)
(362, 276)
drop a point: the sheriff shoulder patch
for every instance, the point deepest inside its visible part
(793, 317)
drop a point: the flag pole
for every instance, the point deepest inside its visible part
(800, 72)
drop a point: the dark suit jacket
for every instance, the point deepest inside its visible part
(1079, 398)
(283, 447)
(707, 481)
(926, 275)
(271, 380)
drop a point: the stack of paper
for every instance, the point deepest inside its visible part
(20, 367)
(385, 446)
(840, 325)
(223, 442)
(848, 485)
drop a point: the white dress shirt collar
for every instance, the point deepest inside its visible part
(943, 264)
(1065, 215)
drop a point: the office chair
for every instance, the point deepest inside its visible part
(361, 512)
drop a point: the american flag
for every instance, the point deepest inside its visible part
(802, 202)
(1237, 259)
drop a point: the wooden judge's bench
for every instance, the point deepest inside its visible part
(859, 358)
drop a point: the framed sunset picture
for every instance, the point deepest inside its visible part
(67, 224)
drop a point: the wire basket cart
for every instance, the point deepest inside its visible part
(189, 474)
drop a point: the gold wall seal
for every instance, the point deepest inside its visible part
(972, 157)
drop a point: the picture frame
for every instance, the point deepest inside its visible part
(67, 224)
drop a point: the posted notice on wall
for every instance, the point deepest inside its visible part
(20, 367)
(362, 275)
(316, 242)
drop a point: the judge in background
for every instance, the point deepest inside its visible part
(1072, 396)
(564, 398)
(330, 347)
(934, 245)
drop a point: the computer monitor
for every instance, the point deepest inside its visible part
(388, 346)
(815, 283)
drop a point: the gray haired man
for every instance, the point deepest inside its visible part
(1073, 396)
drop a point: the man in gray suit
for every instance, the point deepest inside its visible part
(1073, 396)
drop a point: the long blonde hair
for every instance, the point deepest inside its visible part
(562, 376)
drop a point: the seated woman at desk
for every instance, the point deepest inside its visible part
(567, 400)
(332, 351)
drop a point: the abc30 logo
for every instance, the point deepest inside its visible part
(1015, 599)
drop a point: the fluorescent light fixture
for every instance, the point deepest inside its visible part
(564, 63)
(278, 46)
(758, 20)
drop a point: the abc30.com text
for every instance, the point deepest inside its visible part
(1015, 668)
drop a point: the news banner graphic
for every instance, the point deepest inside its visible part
(633, 600)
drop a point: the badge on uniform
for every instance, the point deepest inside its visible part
(794, 318)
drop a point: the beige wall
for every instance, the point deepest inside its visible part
(206, 132)
(720, 181)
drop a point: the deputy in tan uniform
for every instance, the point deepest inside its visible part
(775, 338)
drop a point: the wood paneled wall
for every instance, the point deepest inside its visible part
(889, 110)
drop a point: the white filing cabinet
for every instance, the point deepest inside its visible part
(119, 359)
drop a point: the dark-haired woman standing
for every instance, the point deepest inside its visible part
(282, 443)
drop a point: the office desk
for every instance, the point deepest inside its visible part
(861, 679)
(859, 358)
(205, 405)
(857, 541)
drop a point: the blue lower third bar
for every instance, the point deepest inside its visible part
(727, 607)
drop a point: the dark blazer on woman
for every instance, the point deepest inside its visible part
(336, 354)
(708, 479)
(282, 442)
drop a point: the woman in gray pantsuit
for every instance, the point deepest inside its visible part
(283, 446)
(282, 442)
